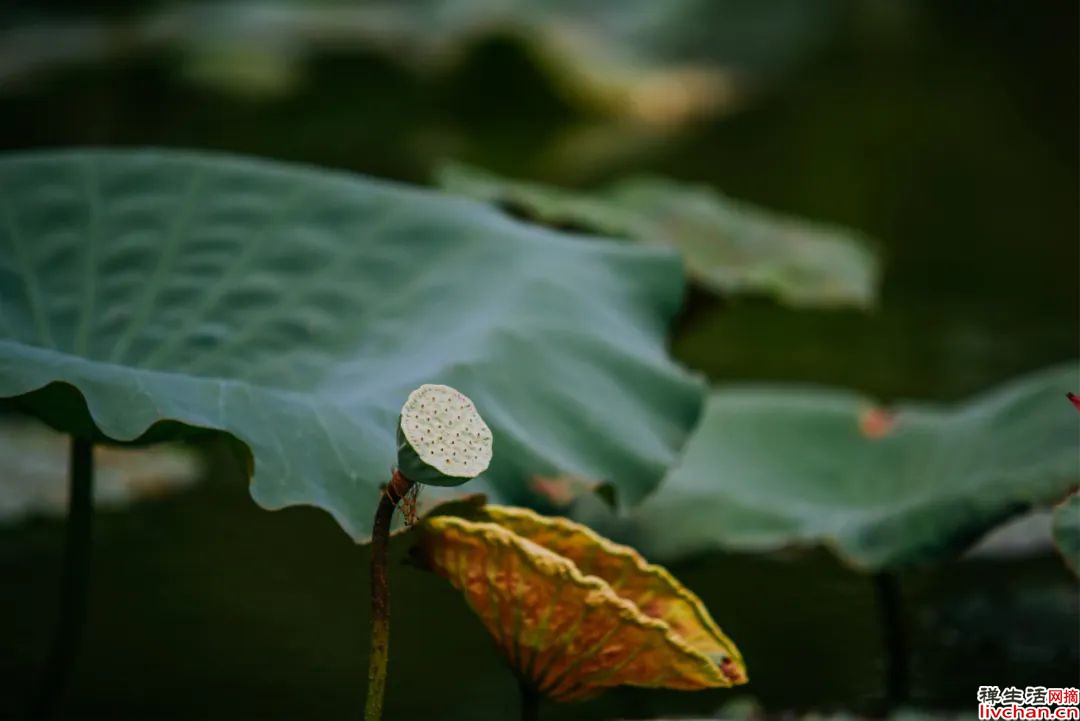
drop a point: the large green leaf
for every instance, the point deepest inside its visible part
(295, 309)
(771, 467)
(729, 246)
(1066, 530)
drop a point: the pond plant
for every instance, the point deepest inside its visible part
(730, 247)
(571, 612)
(151, 295)
(442, 441)
(148, 296)
(886, 487)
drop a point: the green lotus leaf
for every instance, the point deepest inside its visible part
(770, 467)
(1066, 530)
(729, 246)
(147, 295)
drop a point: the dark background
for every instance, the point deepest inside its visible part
(947, 131)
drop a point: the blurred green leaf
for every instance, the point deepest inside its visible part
(1066, 530)
(35, 459)
(770, 467)
(1025, 536)
(729, 246)
(659, 64)
(148, 294)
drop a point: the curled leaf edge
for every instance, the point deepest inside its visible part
(549, 563)
(626, 552)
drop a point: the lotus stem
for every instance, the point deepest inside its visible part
(530, 701)
(75, 581)
(890, 603)
(380, 595)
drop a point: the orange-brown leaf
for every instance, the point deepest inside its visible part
(651, 588)
(573, 612)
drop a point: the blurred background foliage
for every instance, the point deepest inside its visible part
(946, 131)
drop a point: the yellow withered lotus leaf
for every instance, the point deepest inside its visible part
(573, 612)
(654, 591)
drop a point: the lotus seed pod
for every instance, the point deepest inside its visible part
(442, 440)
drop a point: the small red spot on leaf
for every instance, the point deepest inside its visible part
(875, 423)
(558, 490)
(731, 670)
(1075, 400)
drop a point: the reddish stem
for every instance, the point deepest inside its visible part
(380, 595)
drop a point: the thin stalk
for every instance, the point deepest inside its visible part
(380, 596)
(75, 581)
(890, 603)
(530, 701)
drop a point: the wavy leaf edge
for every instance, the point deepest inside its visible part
(100, 408)
(501, 514)
(489, 532)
